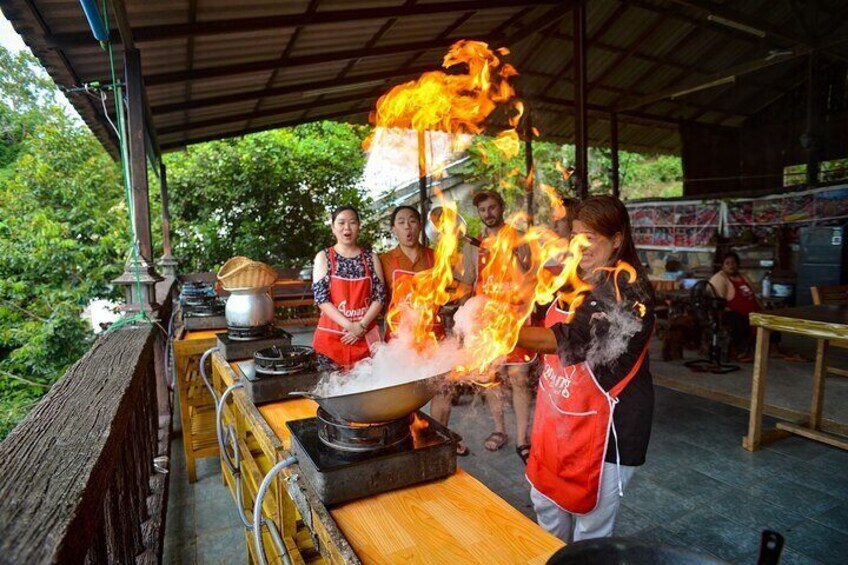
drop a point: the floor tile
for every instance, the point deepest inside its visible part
(836, 518)
(754, 512)
(787, 494)
(693, 484)
(710, 531)
(222, 547)
(819, 542)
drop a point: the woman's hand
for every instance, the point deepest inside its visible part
(353, 332)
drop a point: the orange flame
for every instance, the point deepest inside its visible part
(455, 103)
(425, 292)
(619, 268)
(558, 210)
(514, 279)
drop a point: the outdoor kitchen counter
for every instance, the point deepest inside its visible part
(452, 520)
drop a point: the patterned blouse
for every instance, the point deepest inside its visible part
(349, 268)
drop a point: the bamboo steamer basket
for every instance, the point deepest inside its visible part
(243, 273)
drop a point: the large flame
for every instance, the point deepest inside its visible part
(425, 292)
(453, 102)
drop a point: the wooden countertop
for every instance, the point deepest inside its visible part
(822, 321)
(453, 520)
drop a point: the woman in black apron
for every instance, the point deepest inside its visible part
(595, 397)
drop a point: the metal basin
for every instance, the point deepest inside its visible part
(380, 404)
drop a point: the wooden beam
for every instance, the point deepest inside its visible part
(633, 48)
(616, 178)
(715, 79)
(293, 62)
(136, 138)
(267, 112)
(581, 120)
(288, 89)
(723, 11)
(172, 145)
(596, 36)
(155, 33)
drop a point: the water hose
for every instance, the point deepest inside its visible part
(257, 515)
(203, 375)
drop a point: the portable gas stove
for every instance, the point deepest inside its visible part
(201, 308)
(348, 460)
(277, 371)
(242, 343)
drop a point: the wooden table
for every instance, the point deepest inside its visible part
(823, 322)
(453, 520)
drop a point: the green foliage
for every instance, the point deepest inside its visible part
(642, 176)
(266, 196)
(62, 236)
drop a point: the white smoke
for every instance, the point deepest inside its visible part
(397, 362)
(622, 324)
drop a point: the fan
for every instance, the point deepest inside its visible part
(708, 307)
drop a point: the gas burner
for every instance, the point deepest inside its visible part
(194, 292)
(339, 474)
(284, 360)
(249, 333)
(358, 437)
(205, 309)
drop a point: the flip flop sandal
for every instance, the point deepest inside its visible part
(523, 451)
(498, 439)
(462, 449)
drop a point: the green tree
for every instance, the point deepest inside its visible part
(266, 196)
(63, 234)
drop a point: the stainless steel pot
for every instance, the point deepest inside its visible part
(380, 404)
(250, 307)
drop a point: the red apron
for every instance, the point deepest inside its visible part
(571, 426)
(743, 301)
(519, 355)
(398, 275)
(352, 297)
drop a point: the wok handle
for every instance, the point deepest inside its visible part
(770, 547)
(308, 395)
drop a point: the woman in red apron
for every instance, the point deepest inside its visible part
(408, 258)
(349, 290)
(595, 398)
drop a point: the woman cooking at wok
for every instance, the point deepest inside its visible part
(595, 398)
(348, 286)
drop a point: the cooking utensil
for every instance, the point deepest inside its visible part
(380, 404)
(461, 226)
(250, 307)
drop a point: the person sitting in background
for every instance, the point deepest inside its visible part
(735, 287)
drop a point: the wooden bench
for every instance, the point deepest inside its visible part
(833, 294)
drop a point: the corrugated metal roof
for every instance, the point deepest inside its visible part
(276, 63)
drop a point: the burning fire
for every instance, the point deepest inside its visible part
(452, 102)
(428, 290)
(514, 276)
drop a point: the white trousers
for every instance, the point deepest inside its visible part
(596, 524)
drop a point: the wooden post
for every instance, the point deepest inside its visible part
(138, 153)
(819, 375)
(167, 261)
(422, 180)
(139, 277)
(616, 178)
(581, 130)
(530, 180)
(811, 137)
(751, 442)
